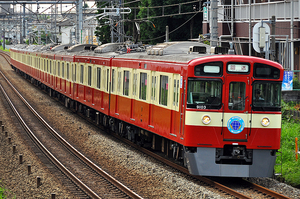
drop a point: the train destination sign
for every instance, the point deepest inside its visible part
(242, 68)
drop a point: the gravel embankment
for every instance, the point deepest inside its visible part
(146, 176)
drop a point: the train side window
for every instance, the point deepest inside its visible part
(54, 67)
(119, 81)
(104, 79)
(47, 66)
(50, 66)
(237, 96)
(113, 80)
(107, 79)
(74, 72)
(81, 73)
(163, 91)
(143, 86)
(178, 90)
(174, 92)
(58, 69)
(89, 75)
(126, 83)
(68, 71)
(153, 88)
(134, 84)
(63, 70)
(99, 78)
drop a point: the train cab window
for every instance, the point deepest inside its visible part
(209, 69)
(89, 75)
(266, 96)
(68, 71)
(126, 83)
(143, 86)
(266, 71)
(63, 70)
(237, 96)
(204, 93)
(99, 78)
(81, 73)
(163, 91)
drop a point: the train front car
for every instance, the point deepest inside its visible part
(232, 116)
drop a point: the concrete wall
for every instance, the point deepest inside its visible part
(291, 96)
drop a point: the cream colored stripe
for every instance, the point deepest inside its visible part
(195, 118)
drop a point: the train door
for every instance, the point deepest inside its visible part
(236, 121)
(182, 105)
(134, 93)
(154, 89)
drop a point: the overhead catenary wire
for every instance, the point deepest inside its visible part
(174, 29)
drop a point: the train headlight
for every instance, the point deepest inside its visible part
(206, 119)
(265, 121)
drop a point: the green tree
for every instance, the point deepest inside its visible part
(103, 30)
(152, 27)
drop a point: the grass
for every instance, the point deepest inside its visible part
(290, 166)
(1, 48)
(2, 191)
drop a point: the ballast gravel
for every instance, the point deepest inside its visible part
(143, 174)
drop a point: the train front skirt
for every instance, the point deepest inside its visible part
(203, 162)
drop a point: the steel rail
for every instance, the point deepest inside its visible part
(87, 190)
(108, 177)
(267, 191)
(184, 170)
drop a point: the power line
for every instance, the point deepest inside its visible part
(174, 29)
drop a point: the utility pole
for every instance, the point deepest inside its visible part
(79, 21)
(292, 35)
(214, 23)
(273, 52)
(250, 28)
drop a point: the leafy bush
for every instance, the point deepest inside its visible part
(290, 166)
(289, 131)
(285, 109)
(296, 83)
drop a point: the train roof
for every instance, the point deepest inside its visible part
(169, 51)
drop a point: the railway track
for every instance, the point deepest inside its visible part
(83, 177)
(256, 190)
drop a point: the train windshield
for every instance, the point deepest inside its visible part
(266, 96)
(204, 93)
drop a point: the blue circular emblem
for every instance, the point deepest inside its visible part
(235, 125)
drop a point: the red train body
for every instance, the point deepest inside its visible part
(204, 111)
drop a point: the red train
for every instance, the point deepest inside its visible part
(220, 115)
